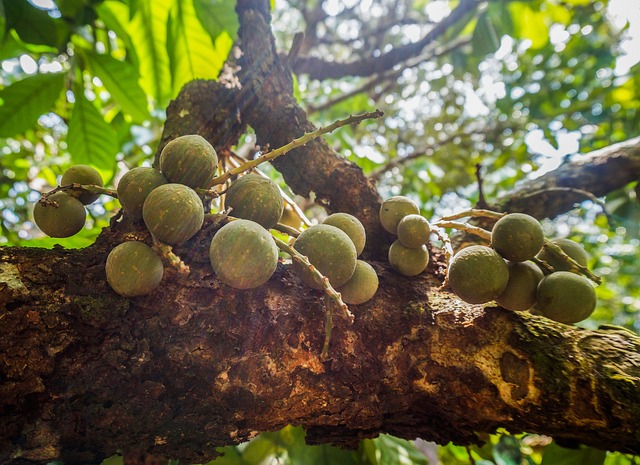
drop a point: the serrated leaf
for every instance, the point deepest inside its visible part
(556, 455)
(24, 101)
(218, 16)
(121, 80)
(192, 54)
(484, 40)
(91, 141)
(148, 32)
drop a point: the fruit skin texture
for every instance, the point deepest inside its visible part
(478, 274)
(517, 237)
(571, 248)
(362, 286)
(190, 160)
(566, 297)
(135, 186)
(330, 250)
(133, 269)
(351, 226)
(408, 261)
(413, 231)
(82, 174)
(394, 209)
(520, 293)
(173, 213)
(64, 221)
(253, 197)
(243, 254)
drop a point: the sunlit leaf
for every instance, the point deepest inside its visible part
(192, 54)
(529, 24)
(121, 80)
(34, 25)
(91, 141)
(485, 40)
(556, 455)
(148, 32)
(217, 16)
(3, 21)
(395, 450)
(24, 101)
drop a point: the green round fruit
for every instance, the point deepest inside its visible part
(520, 293)
(394, 209)
(133, 269)
(478, 274)
(566, 297)
(173, 213)
(256, 198)
(85, 175)
(571, 248)
(135, 186)
(408, 261)
(65, 220)
(190, 160)
(351, 226)
(413, 231)
(243, 254)
(362, 286)
(330, 250)
(517, 237)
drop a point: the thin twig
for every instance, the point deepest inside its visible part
(483, 233)
(80, 188)
(557, 250)
(448, 250)
(573, 190)
(482, 202)
(474, 213)
(284, 228)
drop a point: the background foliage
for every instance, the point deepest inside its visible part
(519, 87)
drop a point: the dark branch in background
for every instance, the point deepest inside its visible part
(317, 68)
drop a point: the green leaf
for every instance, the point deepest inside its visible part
(192, 54)
(148, 32)
(3, 21)
(24, 101)
(556, 455)
(121, 80)
(91, 141)
(394, 450)
(484, 40)
(34, 25)
(529, 24)
(218, 16)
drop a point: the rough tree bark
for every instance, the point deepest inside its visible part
(84, 372)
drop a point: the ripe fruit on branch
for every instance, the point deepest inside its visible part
(566, 297)
(65, 220)
(478, 274)
(173, 213)
(330, 250)
(82, 174)
(571, 248)
(394, 209)
(133, 269)
(408, 261)
(253, 197)
(135, 186)
(190, 160)
(520, 293)
(413, 231)
(517, 237)
(351, 226)
(362, 286)
(243, 254)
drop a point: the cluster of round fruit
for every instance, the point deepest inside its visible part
(479, 274)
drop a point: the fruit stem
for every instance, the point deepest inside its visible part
(448, 250)
(575, 266)
(283, 228)
(475, 213)
(483, 233)
(167, 253)
(81, 188)
(304, 139)
(335, 296)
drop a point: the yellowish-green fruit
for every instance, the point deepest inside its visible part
(133, 269)
(351, 226)
(394, 209)
(478, 274)
(330, 250)
(135, 186)
(63, 221)
(173, 213)
(243, 254)
(190, 160)
(520, 293)
(408, 261)
(571, 248)
(413, 231)
(256, 198)
(566, 297)
(517, 237)
(362, 286)
(85, 175)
